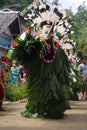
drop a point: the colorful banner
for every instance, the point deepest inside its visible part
(14, 44)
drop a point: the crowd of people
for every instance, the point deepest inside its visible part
(12, 75)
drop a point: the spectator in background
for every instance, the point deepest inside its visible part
(22, 75)
(6, 74)
(14, 74)
(83, 70)
(23, 79)
(1, 84)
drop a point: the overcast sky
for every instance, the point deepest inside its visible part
(71, 3)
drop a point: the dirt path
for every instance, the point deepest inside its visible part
(75, 119)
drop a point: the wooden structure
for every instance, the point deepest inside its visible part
(11, 25)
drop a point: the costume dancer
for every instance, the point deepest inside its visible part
(41, 52)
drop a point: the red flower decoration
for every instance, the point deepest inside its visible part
(27, 30)
(14, 44)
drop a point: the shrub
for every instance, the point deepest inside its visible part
(15, 93)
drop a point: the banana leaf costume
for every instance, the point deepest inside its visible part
(47, 64)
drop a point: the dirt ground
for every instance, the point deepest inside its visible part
(75, 118)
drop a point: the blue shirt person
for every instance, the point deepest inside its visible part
(14, 74)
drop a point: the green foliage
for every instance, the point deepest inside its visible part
(52, 107)
(45, 100)
(8, 93)
(45, 90)
(27, 50)
(76, 85)
(23, 3)
(15, 93)
(47, 82)
(79, 26)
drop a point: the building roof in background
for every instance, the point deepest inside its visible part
(14, 7)
(7, 16)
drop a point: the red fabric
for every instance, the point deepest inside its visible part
(6, 60)
(5, 70)
(1, 92)
(25, 72)
(14, 44)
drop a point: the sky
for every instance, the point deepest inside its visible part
(71, 3)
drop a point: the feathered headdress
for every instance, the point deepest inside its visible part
(51, 27)
(51, 13)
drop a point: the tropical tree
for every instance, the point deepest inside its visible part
(79, 25)
(23, 3)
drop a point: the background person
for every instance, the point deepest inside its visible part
(14, 74)
(1, 84)
(83, 70)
